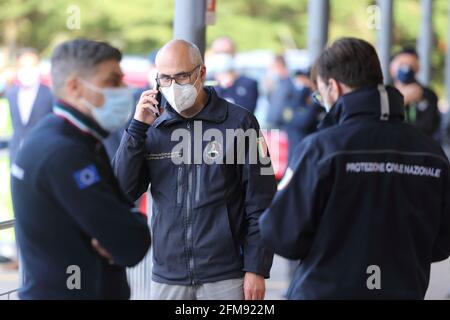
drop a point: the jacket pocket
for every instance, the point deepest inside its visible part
(226, 231)
(198, 182)
(154, 227)
(180, 185)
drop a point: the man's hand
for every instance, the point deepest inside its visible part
(254, 286)
(147, 108)
(412, 93)
(101, 251)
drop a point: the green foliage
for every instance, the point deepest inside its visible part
(140, 26)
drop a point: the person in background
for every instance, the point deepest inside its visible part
(303, 115)
(232, 86)
(421, 103)
(76, 229)
(282, 94)
(29, 99)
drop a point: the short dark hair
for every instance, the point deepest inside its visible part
(352, 61)
(79, 56)
(303, 72)
(406, 50)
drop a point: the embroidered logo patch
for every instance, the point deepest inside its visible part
(213, 150)
(286, 179)
(86, 177)
(17, 172)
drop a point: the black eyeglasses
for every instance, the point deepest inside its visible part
(180, 78)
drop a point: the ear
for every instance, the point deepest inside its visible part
(73, 87)
(335, 89)
(203, 73)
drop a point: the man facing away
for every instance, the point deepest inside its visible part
(365, 203)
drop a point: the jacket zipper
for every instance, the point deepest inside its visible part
(180, 184)
(189, 248)
(197, 183)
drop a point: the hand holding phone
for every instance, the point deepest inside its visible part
(147, 109)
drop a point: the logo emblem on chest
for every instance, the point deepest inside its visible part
(213, 151)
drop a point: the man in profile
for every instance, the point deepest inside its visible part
(75, 228)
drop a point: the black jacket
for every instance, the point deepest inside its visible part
(367, 191)
(205, 216)
(64, 195)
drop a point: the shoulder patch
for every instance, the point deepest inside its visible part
(262, 147)
(87, 176)
(286, 179)
(17, 172)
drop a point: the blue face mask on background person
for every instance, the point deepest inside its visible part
(116, 109)
(406, 74)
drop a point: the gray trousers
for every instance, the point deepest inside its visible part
(232, 289)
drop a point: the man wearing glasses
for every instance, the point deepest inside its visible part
(205, 212)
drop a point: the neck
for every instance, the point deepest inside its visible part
(76, 104)
(198, 106)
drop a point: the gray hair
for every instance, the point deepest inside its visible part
(78, 57)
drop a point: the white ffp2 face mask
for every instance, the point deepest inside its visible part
(180, 97)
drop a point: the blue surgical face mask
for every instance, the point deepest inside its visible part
(116, 109)
(406, 74)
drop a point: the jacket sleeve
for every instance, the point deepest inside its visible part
(129, 162)
(260, 187)
(79, 184)
(289, 224)
(441, 248)
(430, 120)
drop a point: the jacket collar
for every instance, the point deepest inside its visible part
(380, 102)
(79, 120)
(216, 111)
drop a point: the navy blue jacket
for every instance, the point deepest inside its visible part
(42, 106)
(243, 92)
(205, 214)
(64, 195)
(367, 191)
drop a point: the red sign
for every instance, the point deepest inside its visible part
(210, 14)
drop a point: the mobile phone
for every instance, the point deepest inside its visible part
(158, 98)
